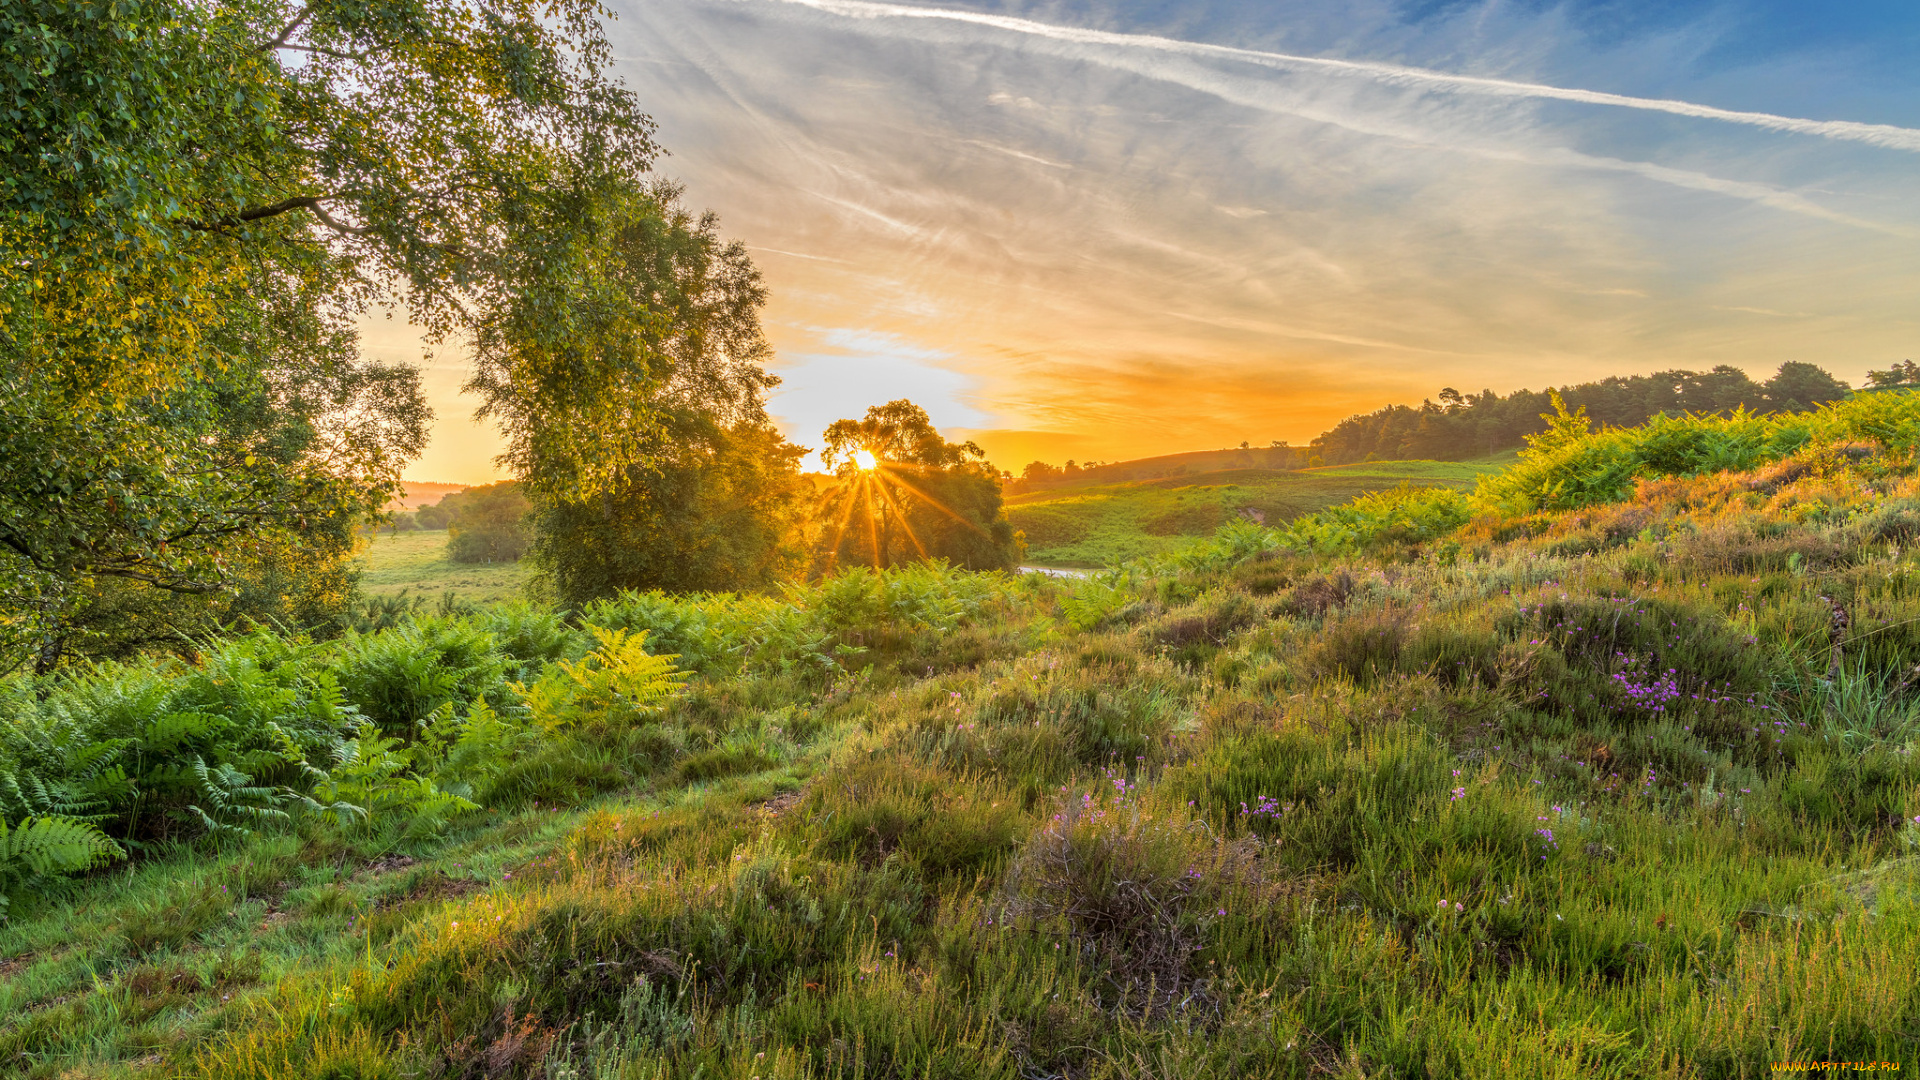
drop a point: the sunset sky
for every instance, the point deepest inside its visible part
(1120, 229)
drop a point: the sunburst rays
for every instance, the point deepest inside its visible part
(882, 493)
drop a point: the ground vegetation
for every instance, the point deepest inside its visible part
(1592, 779)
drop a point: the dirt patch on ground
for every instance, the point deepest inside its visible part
(780, 804)
(387, 864)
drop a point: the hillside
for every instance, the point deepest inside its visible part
(1609, 773)
(1085, 524)
(421, 493)
(1171, 466)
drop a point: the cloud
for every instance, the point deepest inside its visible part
(1883, 135)
(1101, 250)
(1125, 51)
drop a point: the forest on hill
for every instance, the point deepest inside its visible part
(1462, 427)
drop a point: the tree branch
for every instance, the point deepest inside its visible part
(280, 40)
(327, 220)
(318, 51)
(257, 213)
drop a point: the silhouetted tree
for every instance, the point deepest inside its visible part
(905, 493)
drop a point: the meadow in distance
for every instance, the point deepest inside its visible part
(1568, 733)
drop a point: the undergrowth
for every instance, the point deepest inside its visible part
(1620, 783)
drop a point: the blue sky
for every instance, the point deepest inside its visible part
(1105, 230)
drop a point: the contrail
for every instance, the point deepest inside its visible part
(1882, 135)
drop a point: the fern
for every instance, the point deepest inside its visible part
(620, 680)
(374, 783)
(41, 848)
(233, 801)
(1094, 598)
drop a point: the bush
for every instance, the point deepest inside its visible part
(488, 524)
(1133, 891)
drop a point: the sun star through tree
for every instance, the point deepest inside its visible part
(901, 492)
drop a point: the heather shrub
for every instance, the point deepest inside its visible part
(1133, 888)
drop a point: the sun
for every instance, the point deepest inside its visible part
(865, 461)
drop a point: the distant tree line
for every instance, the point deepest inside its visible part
(1461, 426)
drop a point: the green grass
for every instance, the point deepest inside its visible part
(1248, 813)
(416, 563)
(1108, 524)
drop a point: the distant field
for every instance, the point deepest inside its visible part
(417, 562)
(1105, 524)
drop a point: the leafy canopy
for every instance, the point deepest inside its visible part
(716, 504)
(198, 201)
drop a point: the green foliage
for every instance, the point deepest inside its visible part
(618, 683)
(1461, 426)
(38, 848)
(719, 512)
(1107, 524)
(1095, 598)
(180, 274)
(399, 678)
(1400, 518)
(816, 628)
(1570, 467)
(487, 524)
(715, 503)
(1622, 762)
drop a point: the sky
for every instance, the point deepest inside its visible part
(1111, 230)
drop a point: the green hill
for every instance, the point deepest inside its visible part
(1102, 524)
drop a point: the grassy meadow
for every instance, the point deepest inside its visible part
(1607, 770)
(1107, 524)
(416, 564)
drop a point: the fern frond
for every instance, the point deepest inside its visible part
(49, 846)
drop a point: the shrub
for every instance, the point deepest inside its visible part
(618, 684)
(1399, 518)
(871, 807)
(35, 850)
(1133, 891)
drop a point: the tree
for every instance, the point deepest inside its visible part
(1798, 387)
(1468, 425)
(200, 198)
(716, 504)
(905, 493)
(1905, 373)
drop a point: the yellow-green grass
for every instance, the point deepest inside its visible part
(1108, 524)
(416, 563)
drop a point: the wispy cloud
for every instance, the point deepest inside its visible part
(1886, 135)
(1125, 51)
(1104, 243)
